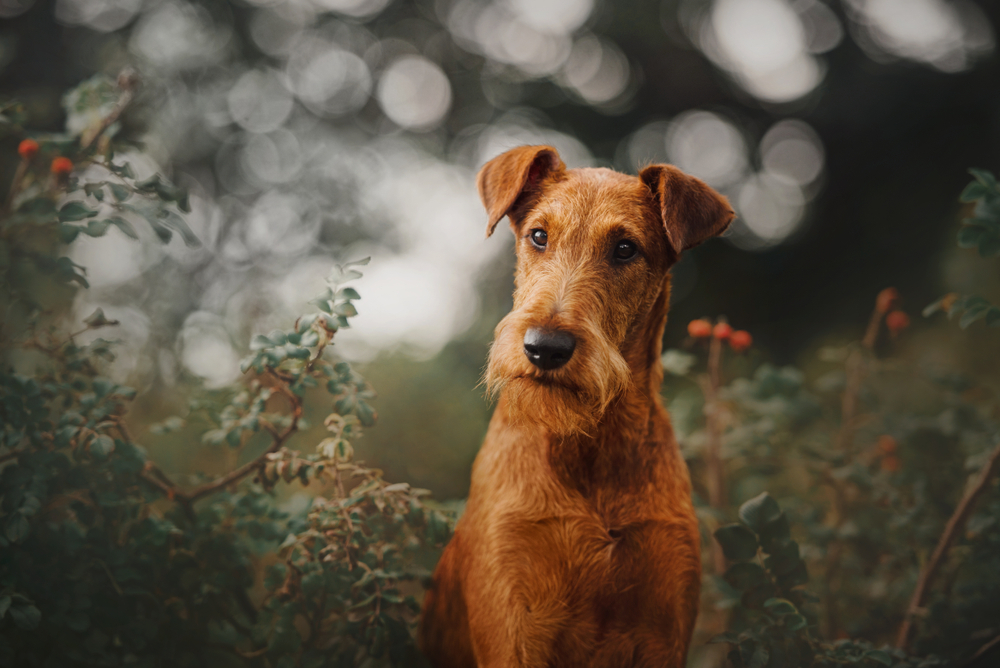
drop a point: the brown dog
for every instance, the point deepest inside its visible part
(579, 544)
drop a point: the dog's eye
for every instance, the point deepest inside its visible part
(539, 238)
(625, 250)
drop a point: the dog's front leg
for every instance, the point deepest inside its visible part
(515, 615)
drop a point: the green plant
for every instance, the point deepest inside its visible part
(104, 558)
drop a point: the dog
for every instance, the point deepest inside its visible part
(579, 544)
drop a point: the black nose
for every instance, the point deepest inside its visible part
(548, 348)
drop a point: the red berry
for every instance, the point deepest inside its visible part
(740, 340)
(897, 321)
(700, 329)
(62, 166)
(27, 149)
(887, 444)
(722, 331)
(886, 300)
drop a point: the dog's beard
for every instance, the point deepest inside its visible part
(566, 401)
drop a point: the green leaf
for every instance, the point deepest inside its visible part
(124, 226)
(97, 228)
(760, 656)
(25, 617)
(348, 293)
(745, 575)
(759, 511)
(972, 192)
(780, 606)
(879, 656)
(972, 314)
(738, 542)
(102, 446)
(358, 263)
(969, 237)
(4, 604)
(366, 414)
(95, 190)
(175, 222)
(346, 309)
(17, 527)
(985, 177)
(119, 192)
(795, 622)
(124, 170)
(68, 233)
(75, 211)
(260, 342)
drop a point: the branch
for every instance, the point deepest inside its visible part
(713, 446)
(127, 82)
(855, 376)
(952, 529)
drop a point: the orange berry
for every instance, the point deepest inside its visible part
(27, 149)
(897, 321)
(887, 445)
(700, 328)
(722, 331)
(740, 340)
(62, 166)
(891, 463)
(886, 300)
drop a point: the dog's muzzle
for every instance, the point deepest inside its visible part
(548, 348)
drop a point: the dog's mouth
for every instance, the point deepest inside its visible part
(546, 379)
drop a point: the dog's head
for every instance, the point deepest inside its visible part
(593, 251)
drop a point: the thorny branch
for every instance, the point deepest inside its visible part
(954, 527)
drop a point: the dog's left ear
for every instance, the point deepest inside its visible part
(514, 178)
(691, 211)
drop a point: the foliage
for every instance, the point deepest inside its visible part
(888, 470)
(104, 559)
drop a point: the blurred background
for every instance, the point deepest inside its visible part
(316, 131)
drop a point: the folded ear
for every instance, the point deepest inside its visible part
(691, 211)
(512, 179)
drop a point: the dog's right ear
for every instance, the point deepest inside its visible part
(512, 179)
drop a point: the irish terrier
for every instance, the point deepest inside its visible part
(579, 544)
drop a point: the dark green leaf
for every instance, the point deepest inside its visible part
(97, 228)
(759, 511)
(25, 617)
(175, 222)
(879, 656)
(75, 211)
(101, 446)
(738, 542)
(984, 177)
(17, 527)
(119, 192)
(972, 192)
(969, 237)
(780, 606)
(124, 226)
(348, 293)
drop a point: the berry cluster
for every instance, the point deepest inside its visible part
(739, 340)
(28, 149)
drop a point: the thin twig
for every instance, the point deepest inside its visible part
(983, 650)
(855, 376)
(952, 530)
(127, 82)
(716, 483)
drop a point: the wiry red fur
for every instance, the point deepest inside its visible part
(579, 544)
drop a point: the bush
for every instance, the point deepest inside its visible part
(104, 559)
